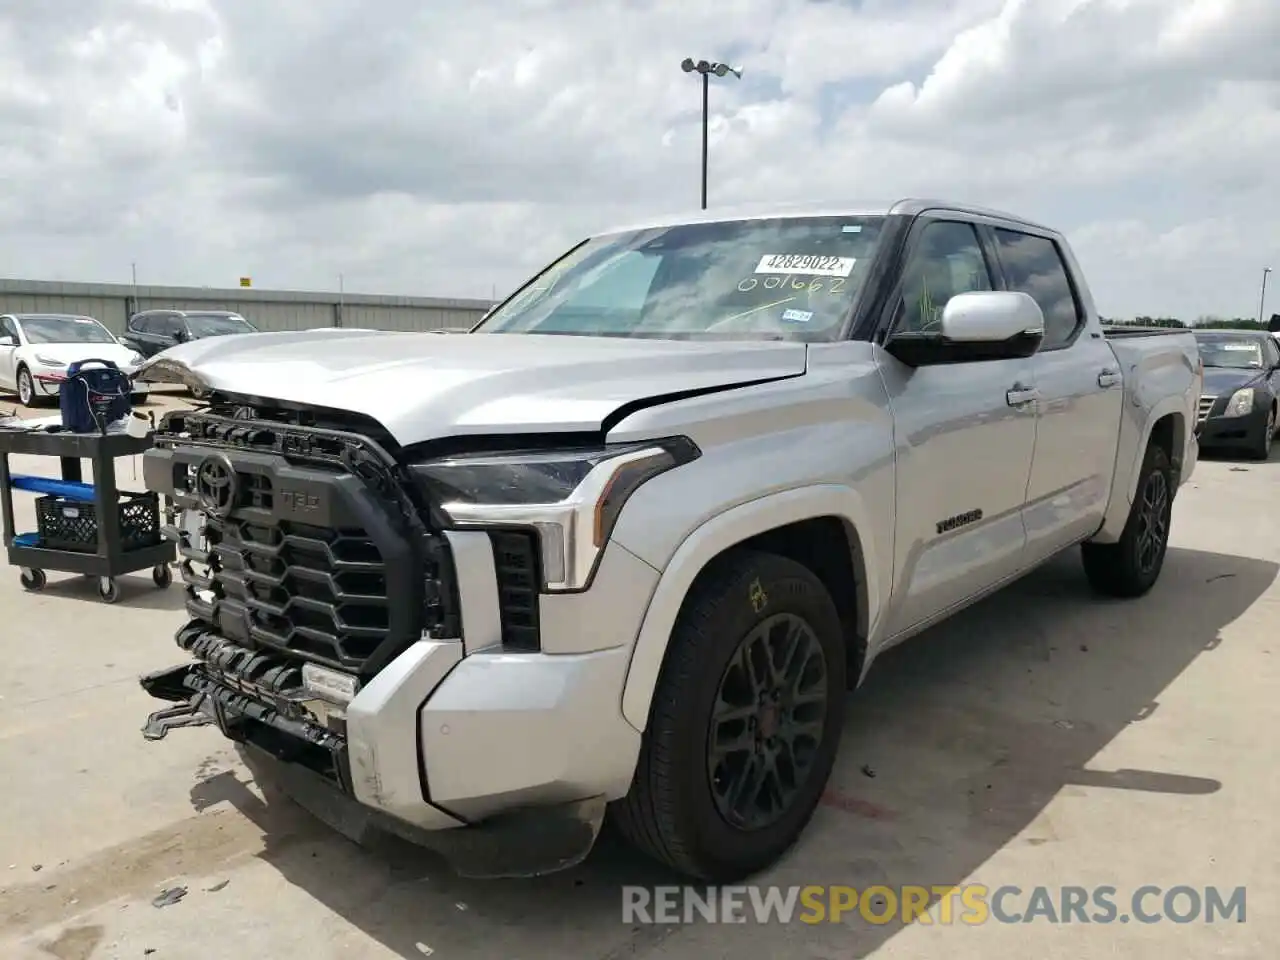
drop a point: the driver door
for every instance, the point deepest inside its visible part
(964, 434)
(8, 354)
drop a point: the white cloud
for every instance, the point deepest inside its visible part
(449, 149)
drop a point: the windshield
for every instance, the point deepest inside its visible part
(65, 330)
(217, 324)
(1223, 352)
(782, 279)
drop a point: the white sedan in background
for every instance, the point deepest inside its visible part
(36, 349)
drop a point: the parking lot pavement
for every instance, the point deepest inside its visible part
(1043, 738)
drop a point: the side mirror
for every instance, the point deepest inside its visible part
(987, 325)
(6, 340)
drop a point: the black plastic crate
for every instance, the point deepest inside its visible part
(66, 524)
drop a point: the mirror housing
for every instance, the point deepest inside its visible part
(983, 325)
(6, 340)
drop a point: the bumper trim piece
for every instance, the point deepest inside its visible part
(187, 714)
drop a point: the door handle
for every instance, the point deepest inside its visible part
(1108, 378)
(1020, 395)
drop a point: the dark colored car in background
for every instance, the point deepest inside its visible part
(151, 331)
(1238, 405)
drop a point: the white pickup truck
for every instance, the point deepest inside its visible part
(624, 547)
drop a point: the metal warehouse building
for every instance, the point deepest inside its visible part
(114, 303)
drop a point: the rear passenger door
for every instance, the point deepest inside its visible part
(142, 333)
(1080, 386)
(963, 437)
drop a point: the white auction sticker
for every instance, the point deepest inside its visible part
(811, 265)
(1251, 348)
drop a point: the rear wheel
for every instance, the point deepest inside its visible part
(745, 723)
(1131, 566)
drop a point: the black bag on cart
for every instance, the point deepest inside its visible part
(92, 398)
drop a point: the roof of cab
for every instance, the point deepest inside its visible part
(864, 208)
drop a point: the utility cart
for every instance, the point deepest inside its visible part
(91, 529)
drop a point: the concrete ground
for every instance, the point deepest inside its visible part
(1044, 738)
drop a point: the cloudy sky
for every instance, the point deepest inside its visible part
(448, 148)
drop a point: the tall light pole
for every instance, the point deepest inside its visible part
(706, 68)
(1262, 300)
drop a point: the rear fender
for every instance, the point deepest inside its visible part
(1135, 435)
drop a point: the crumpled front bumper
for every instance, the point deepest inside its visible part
(482, 758)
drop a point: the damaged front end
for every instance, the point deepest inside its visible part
(324, 612)
(253, 698)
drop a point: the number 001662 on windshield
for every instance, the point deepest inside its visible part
(813, 265)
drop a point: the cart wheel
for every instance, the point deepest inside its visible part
(108, 590)
(162, 575)
(33, 578)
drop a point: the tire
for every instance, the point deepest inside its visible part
(1262, 450)
(161, 575)
(671, 812)
(32, 579)
(1131, 566)
(140, 399)
(108, 590)
(26, 388)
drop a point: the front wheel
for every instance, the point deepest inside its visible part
(26, 387)
(1262, 449)
(745, 722)
(1131, 566)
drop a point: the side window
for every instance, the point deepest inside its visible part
(7, 328)
(1270, 352)
(138, 323)
(1033, 265)
(170, 325)
(947, 260)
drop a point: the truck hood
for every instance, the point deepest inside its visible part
(424, 387)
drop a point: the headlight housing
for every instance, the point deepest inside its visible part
(136, 358)
(1241, 403)
(570, 497)
(48, 361)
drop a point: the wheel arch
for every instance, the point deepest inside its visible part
(821, 527)
(1167, 426)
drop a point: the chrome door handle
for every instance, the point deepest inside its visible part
(1108, 378)
(1020, 395)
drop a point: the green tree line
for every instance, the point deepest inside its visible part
(1203, 322)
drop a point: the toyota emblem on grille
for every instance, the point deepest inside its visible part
(216, 485)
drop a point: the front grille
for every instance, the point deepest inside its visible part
(320, 592)
(515, 560)
(1206, 404)
(355, 579)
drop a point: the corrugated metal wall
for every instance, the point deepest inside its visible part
(267, 309)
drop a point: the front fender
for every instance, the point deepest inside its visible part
(712, 538)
